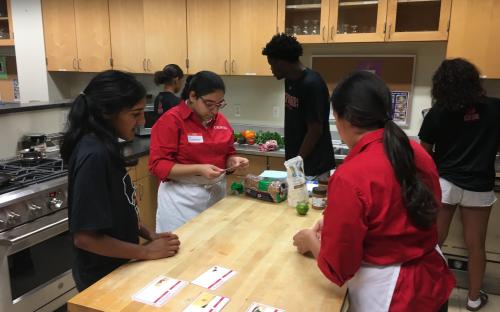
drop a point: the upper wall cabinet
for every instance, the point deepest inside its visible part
(249, 35)
(474, 34)
(418, 20)
(6, 27)
(76, 35)
(208, 35)
(323, 21)
(146, 35)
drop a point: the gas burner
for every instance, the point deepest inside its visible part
(19, 173)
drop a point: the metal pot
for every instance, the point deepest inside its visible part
(32, 139)
(30, 155)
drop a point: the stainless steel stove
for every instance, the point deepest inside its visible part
(36, 250)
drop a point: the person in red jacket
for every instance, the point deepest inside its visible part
(192, 146)
(378, 233)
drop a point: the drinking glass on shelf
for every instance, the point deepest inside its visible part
(289, 30)
(305, 29)
(354, 29)
(296, 30)
(315, 27)
(346, 28)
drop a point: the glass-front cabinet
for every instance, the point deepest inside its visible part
(357, 21)
(305, 19)
(418, 20)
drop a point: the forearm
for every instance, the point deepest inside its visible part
(145, 233)
(181, 170)
(309, 142)
(108, 246)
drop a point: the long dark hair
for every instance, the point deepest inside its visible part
(456, 85)
(168, 74)
(106, 95)
(203, 83)
(364, 100)
(185, 90)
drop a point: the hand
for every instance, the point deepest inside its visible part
(317, 228)
(306, 241)
(236, 162)
(163, 246)
(210, 171)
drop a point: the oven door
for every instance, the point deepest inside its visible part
(35, 269)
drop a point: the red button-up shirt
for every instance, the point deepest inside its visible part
(178, 137)
(366, 221)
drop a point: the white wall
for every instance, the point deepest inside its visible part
(14, 125)
(30, 50)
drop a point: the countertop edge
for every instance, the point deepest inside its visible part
(9, 108)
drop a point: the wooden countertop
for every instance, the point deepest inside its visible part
(247, 235)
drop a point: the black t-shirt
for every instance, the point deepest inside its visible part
(307, 100)
(165, 101)
(465, 144)
(101, 199)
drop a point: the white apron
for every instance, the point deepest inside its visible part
(180, 201)
(372, 287)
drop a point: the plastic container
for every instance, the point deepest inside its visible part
(318, 199)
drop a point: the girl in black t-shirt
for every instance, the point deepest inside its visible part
(171, 78)
(462, 133)
(103, 215)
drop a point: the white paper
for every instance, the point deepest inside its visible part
(207, 302)
(259, 307)
(214, 277)
(160, 290)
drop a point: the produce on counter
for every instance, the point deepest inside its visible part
(302, 208)
(262, 137)
(269, 146)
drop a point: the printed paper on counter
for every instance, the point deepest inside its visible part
(207, 302)
(214, 277)
(259, 307)
(159, 291)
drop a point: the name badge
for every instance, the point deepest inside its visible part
(195, 138)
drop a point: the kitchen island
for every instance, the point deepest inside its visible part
(249, 236)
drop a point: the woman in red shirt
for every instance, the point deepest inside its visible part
(192, 145)
(378, 233)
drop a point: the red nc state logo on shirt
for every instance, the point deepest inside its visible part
(291, 102)
(471, 114)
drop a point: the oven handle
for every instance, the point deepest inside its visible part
(59, 224)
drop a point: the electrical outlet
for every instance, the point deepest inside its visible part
(276, 111)
(237, 112)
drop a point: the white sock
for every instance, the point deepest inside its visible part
(473, 303)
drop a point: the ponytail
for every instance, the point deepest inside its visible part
(78, 115)
(364, 100)
(417, 198)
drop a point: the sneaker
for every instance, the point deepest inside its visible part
(484, 300)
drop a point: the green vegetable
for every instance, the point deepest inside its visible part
(302, 208)
(262, 137)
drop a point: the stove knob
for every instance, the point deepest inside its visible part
(34, 209)
(12, 218)
(55, 203)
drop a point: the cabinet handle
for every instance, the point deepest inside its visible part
(144, 64)
(74, 64)
(323, 34)
(225, 66)
(147, 65)
(232, 67)
(389, 31)
(332, 31)
(79, 60)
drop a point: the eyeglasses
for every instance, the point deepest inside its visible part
(211, 105)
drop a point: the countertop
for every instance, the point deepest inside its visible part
(249, 236)
(14, 107)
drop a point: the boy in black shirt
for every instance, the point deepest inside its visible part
(307, 107)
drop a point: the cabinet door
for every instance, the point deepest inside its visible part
(474, 35)
(276, 163)
(127, 35)
(306, 19)
(418, 20)
(165, 33)
(60, 36)
(249, 34)
(92, 34)
(208, 40)
(357, 21)
(257, 164)
(147, 189)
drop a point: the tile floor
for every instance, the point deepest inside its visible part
(458, 300)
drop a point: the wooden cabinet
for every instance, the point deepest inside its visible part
(146, 187)
(146, 35)
(6, 26)
(276, 163)
(418, 20)
(474, 35)
(322, 21)
(165, 33)
(208, 35)
(76, 35)
(253, 23)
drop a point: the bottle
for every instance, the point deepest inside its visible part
(319, 197)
